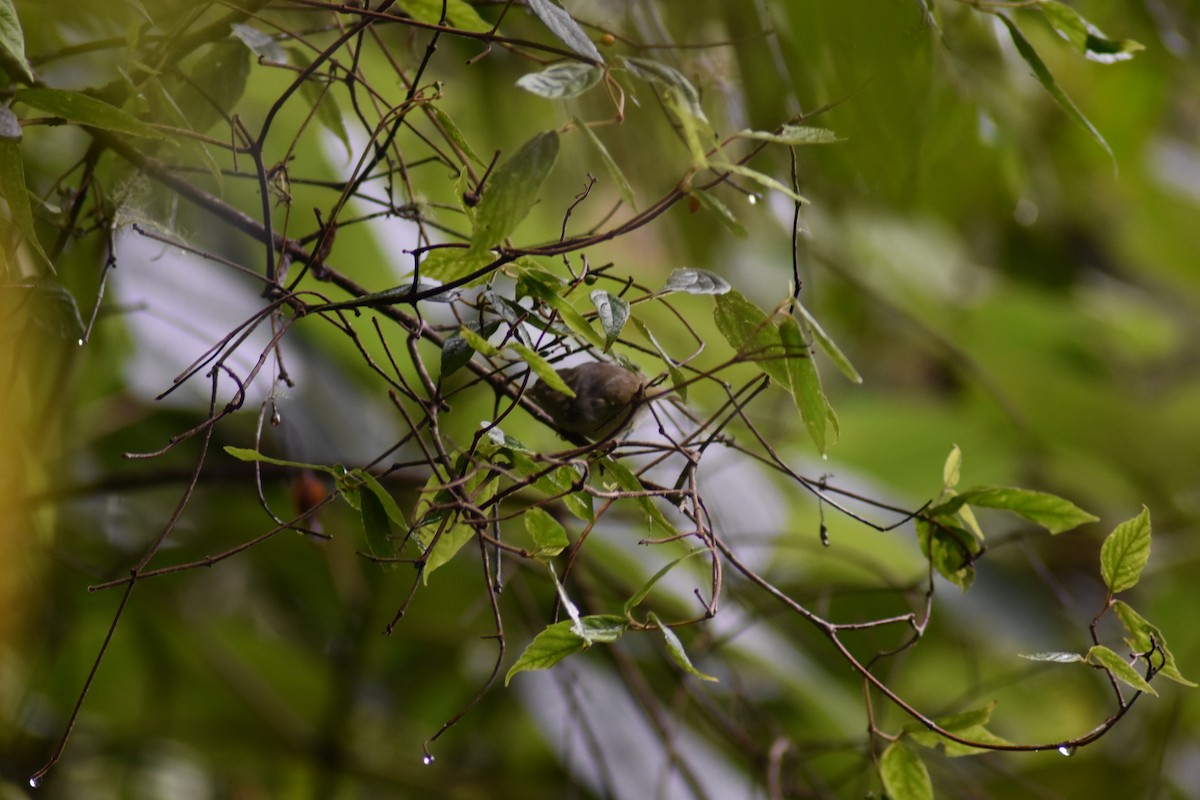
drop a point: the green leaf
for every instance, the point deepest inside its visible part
(560, 640)
(457, 351)
(610, 164)
(476, 342)
(549, 537)
(826, 343)
(512, 190)
(695, 281)
(967, 724)
(678, 380)
(455, 533)
(641, 594)
(751, 334)
(1054, 656)
(12, 188)
(1141, 631)
(261, 44)
(1042, 73)
(12, 44)
(681, 99)
(316, 91)
(904, 774)
(376, 527)
(388, 503)
(565, 28)
(1125, 552)
(459, 14)
(1120, 668)
(1086, 37)
(1052, 513)
(612, 312)
(81, 109)
(724, 214)
(246, 454)
(804, 382)
(630, 483)
(952, 468)
(561, 81)
(456, 136)
(758, 177)
(951, 549)
(794, 135)
(448, 264)
(675, 648)
(542, 368)
(545, 287)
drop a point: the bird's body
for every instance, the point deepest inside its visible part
(609, 400)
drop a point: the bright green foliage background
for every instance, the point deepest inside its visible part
(998, 280)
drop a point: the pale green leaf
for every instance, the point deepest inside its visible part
(952, 468)
(261, 44)
(613, 312)
(549, 537)
(752, 334)
(904, 775)
(1057, 657)
(12, 44)
(1086, 37)
(454, 133)
(629, 482)
(1125, 552)
(12, 188)
(695, 281)
(804, 382)
(641, 594)
(1120, 668)
(459, 13)
(560, 640)
(542, 368)
(758, 177)
(246, 454)
(561, 81)
(1053, 513)
(794, 135)
(1141, 633)
(562, 25)
(678, 653)
(826, 343)
(477, 343)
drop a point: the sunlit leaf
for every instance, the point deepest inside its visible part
(477, 342)
(1125, 552)
(457, 351)
(1053, 513)
(512, 190)
(952, 468)
(560, 640)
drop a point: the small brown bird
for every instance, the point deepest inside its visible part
(609, 400)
